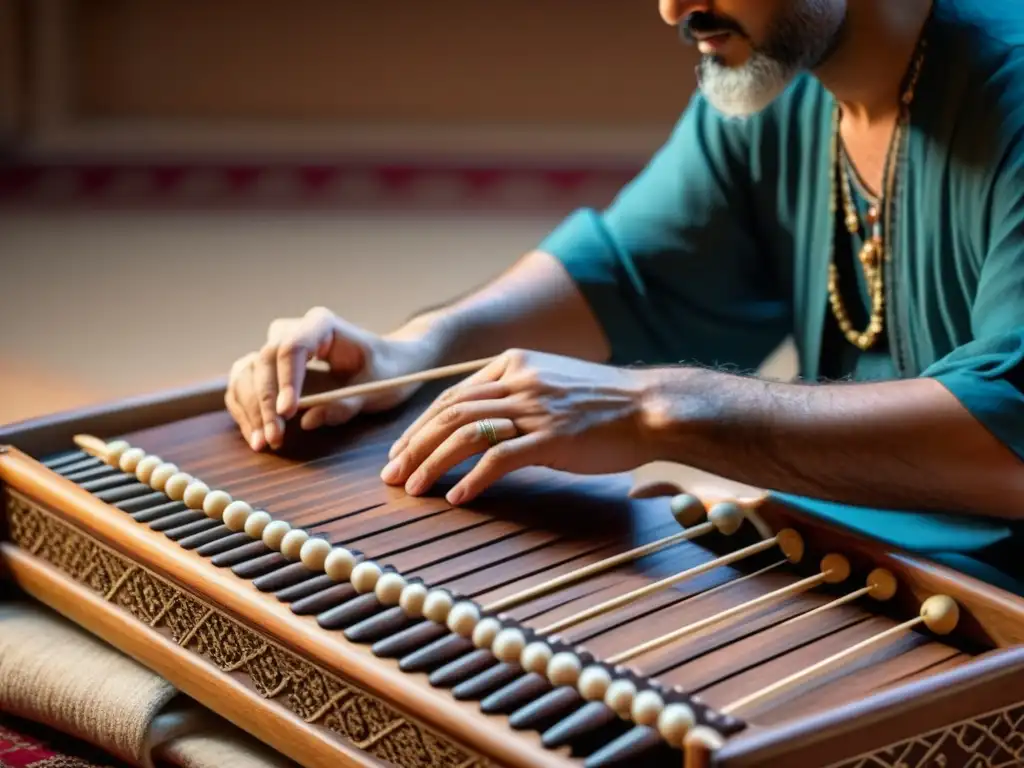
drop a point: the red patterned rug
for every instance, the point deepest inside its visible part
(327, 186)
(29, 745)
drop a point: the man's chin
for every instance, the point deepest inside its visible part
(740, 92)
(739, 107)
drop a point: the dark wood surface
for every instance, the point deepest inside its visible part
(934, 709)
(989, 616)
(536, 524)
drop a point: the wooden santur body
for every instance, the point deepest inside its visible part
(322, 700)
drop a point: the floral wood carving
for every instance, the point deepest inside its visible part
(994, 740)
(316, 696)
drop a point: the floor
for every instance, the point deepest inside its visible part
(106, 305)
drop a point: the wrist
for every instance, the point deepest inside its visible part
(668, 411)
(426, 340)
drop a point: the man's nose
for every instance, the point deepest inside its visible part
(674, 11)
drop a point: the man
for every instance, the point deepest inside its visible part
(851, 172)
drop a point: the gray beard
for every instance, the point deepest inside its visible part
(743, 91)
(799, 42)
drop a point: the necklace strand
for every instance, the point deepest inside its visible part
(874, 251)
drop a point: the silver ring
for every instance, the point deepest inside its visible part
(486, 428)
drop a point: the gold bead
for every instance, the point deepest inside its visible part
(868, 253)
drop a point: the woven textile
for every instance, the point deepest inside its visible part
(71, 689)
(52, 672)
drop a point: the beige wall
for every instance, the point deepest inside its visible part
(574, 79)
(535, 61)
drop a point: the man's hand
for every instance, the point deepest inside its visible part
(264, 387)
(545, 410)
(888, 444)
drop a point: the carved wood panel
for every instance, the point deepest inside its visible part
(313, 694)
(993, 740)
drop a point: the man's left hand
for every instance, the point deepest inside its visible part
(525, 409)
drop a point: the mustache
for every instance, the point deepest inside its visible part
(707, 23)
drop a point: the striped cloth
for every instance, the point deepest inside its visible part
(24, 744)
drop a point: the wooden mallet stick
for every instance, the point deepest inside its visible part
(373, 387)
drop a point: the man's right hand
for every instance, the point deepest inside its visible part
(264, 387)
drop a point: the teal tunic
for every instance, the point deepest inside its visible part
(718, 250)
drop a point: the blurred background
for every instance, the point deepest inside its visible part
(175, 174)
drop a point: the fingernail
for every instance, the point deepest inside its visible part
(272, 433)
(455, 495)
(284, 400)
(390, 473)
(414, 484)
(278, 432)
(256, 439)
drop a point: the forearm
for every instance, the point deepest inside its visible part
(533, 305)
(902, 444)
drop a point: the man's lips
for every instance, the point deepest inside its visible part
(710, 43)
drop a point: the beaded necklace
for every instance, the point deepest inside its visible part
(873, 253)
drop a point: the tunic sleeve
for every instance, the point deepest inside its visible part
(671, 268)
(987, 374)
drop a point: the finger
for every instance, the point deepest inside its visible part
(466, 441)
(332, 414)
(463, 392)
(265, 380)
(455, 393)
(248, 403)
(314, 418)
(490, 373)
(502, 459)
(304, 341)
(281, 328)
(485, 401)
(238, 414)
(342, 411)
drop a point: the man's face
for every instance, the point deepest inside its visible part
(752, 49)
